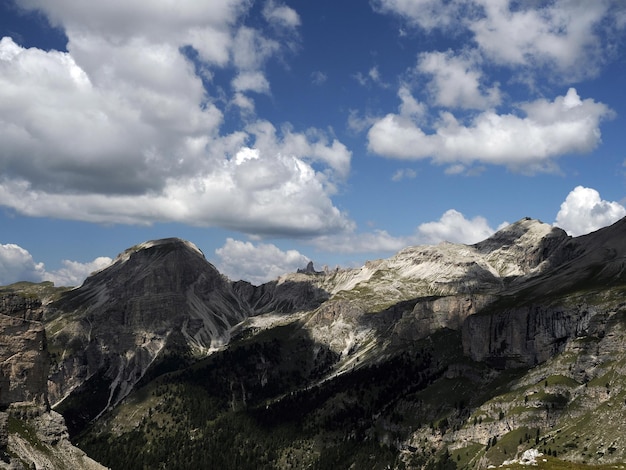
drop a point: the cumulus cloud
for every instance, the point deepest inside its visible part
(17, 264)
(584, 211)
(563, 35)
(251, 81)
(410, 108)
(73, 273)
(372, 77)
(566, 36)
(273, 193)
(452, 227)
(257, 263)
(529, 143)
(457, 81)
(120, 128)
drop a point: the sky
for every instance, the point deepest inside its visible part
(273, 133)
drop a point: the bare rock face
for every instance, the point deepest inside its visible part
(43, 443)
(535, 319)
(422, 289)
(524, 247)
(524, 336)
(42, 439)
(430, 315)
(24, 362)
(155, 297)
(288, 294)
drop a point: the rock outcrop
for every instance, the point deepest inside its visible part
(39, 438)
(526, 336)
(24, 362)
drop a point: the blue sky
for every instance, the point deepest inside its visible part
(270, 133)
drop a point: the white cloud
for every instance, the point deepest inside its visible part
(258, 263)
(60, 130)
(120, 128)
(457, 81)
(583, 211)
(206, 25)
(565, 36)
(358, 123)
(410, 107)
(427, 14)
(548, 130)
(244, 103)
(454, 227)
(73, 273)
(17, 264)
(404, 173)
(375, 241)
(251, 81)
(251, 49)
(275, 194)
(281, 15)
(561, 34)
(372, 77)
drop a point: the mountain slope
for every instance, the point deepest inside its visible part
(446, 356)
(157, 297)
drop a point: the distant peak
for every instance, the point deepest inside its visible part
(527, 228)
(167, 241)
(162, 242)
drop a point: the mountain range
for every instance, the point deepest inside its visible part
(442, 356)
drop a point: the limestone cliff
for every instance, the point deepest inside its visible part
(24, 362)
(534, 320)
(31, 435)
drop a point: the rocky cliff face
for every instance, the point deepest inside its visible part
(577, 291)
(24, 362)
(31, 436)
(156, 297)
(525, 336)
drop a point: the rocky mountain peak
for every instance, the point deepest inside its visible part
(158, 247)
(157, 296)
(524, 233)
(154, 267)
(523, 248)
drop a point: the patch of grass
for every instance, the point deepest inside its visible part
(507, 446)
(547, 462)
(465, 457)
(27, 432)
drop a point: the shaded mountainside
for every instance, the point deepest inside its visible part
(446, 356)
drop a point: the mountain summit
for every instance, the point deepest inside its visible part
(156, 296)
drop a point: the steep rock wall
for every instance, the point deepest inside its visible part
(527, 335)
(24, 361)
